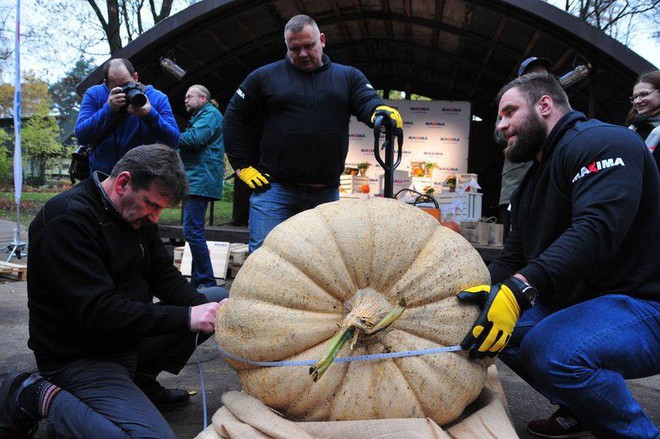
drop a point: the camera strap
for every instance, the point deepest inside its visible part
(79, 167)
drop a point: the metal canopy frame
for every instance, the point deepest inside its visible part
(442, 49)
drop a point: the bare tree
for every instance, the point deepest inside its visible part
(83, 24)
(126, 13)
(618, 18)
(165, 10)
(6, 50)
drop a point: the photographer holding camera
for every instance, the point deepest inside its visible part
(120, 114)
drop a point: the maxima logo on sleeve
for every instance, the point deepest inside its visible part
(597, 166)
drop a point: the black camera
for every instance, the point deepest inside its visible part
(134, 95)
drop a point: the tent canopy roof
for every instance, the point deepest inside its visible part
(442, 49)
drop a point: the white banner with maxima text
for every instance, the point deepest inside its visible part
(436, 137)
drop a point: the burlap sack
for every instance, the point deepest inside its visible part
(245, 417)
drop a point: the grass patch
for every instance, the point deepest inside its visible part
(32, 201)
(221, 214)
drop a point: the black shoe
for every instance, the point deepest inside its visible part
(559, 425)
(15, 422)
(164, 399)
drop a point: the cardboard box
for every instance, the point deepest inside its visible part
(496, 234)
(219, 252)
(476, 232)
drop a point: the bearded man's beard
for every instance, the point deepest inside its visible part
(529, 139)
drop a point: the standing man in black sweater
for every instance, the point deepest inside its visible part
(306, 102)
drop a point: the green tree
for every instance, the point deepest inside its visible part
(39, 140)
(64, 95)
(34, 92)
(39, 130)
(6, 139)
(6, 100)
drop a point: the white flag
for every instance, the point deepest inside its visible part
(18, 160)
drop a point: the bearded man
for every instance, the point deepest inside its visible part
(574, 308)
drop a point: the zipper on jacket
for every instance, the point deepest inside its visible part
(316, 99)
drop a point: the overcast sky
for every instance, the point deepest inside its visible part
(644, 44)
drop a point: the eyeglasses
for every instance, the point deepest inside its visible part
(642, 95)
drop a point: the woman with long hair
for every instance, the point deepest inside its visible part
(644, 116)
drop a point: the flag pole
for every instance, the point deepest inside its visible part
(17, 246)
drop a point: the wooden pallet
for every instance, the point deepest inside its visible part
(14, 271)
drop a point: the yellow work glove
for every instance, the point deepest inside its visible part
(391, 113)
(502, 305)
(254, 179)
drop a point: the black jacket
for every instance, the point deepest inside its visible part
(306, 117)
(92, 280)
(586, 219)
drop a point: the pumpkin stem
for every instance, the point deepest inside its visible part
(368, 317)
(394, 314)
(336, 343)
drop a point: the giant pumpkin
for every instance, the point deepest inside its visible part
(344, 271)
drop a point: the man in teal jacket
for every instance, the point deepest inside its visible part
(202, 152)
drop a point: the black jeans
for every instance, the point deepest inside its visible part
(99, 398)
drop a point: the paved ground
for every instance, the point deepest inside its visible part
(524, 403)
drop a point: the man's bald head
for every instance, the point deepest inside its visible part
(119, 71)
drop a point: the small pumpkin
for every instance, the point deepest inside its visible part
(294, 296)
(451, 225)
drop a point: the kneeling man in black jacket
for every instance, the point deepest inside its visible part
(96, 263)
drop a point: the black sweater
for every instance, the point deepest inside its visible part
(92, 279)
(306, 118)
(586, 219)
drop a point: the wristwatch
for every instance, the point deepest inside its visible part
(528, 291)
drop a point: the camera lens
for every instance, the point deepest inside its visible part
(134, 95)
(136, 98)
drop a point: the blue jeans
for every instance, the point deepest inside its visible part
(194, 216)
(581, 356)
(99, 398)
(281, 202)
